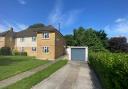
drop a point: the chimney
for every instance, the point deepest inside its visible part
(11, 29)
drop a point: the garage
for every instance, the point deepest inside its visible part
(76, 53)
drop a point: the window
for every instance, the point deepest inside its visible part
(45, 49)
(33, 39)
(45, 35)
(21, 39)
(33, 48)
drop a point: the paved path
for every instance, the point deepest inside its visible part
(22, 75)
(75, 75)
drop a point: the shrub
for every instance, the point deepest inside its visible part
(112, 69)
(5, 51)
(20, 53)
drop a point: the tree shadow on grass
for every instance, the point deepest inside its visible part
(4, 61)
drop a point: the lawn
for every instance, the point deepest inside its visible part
(28, 82)
(12, 65)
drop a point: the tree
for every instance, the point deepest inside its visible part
(69, 40)
(92, 40)
(118, 44)
(79, 35)
(103, 36)
(84, 37)
(38, 25)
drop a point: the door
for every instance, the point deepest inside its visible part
(78, 54)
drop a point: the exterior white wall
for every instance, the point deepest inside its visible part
(26, 43)
(68, 50)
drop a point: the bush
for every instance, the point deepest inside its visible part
(20, 53)
(112, 69)
(5, 51)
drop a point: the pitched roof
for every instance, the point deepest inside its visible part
(31, 31)
(3, 33)
(9, 32)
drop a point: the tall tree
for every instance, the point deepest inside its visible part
(69, 40)
(103, 36)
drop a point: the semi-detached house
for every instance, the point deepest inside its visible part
(44, 42)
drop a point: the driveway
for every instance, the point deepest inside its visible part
(75, 75)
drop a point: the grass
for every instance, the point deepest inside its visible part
(12, 65)
(28, 82)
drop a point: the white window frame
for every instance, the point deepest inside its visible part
(34, 39)
(34, 49)
(45, 35)
(45, 49)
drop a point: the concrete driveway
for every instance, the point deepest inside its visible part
(75, 75)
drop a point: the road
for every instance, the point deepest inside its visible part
(75, 75)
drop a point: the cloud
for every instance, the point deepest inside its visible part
(2, 28)
(118, 28)
(22, 2)
(67, 18)
(16, 26)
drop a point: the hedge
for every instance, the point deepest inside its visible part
(20, 53)
(5, 51)
(112, 69)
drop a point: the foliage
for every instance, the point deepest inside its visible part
(5, 51)
(28, 82)
(20, 53)
(118, 44)
(103, 36)
(12, 65)
(38, 25)
(85, 37)
(112, 69)
(69, 40)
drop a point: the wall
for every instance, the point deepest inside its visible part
(27, 44)
(2, 42)
(46, 42)
(60, 45)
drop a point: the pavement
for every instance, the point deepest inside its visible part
(75, 75)
(20, 76)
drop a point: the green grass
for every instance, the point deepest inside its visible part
(12, 65)
(28, 82)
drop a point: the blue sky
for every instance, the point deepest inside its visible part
(110, 15)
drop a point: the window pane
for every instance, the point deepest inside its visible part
(33, 48)
(45, 35)
(45, 49)
(33, 39)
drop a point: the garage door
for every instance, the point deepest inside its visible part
(78, 54)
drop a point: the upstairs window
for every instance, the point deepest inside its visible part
(33, 39)
(21, 39)
(45, 49)
(45, 35)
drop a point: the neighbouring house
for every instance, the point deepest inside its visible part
(44, 42)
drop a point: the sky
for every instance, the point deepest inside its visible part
(109, 15)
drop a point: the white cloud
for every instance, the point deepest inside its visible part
(118, 28)
(65, 18)
(2, 28)
(16, 26)
(22, 2)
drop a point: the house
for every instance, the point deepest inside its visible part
(44, 42)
